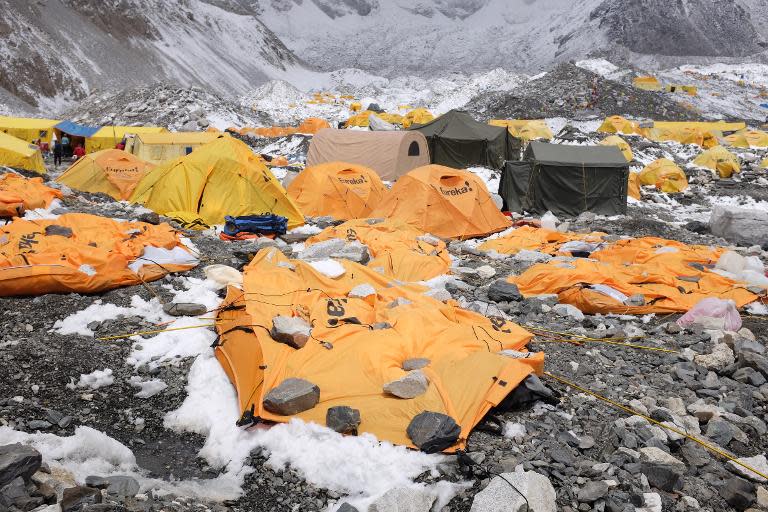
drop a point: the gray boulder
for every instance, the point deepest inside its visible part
(17, 460)
(502, 291)
(433, 432)
(738, 493)
(411, 385)
(663, 471)
(291, 330)
(343, 419)
(404, 499)
(416, 363)
(77, 498)
(500, 496)
(121, 485)
(739, 225)
(593, 491)
(292, 396)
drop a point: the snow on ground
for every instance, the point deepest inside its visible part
(77, 323)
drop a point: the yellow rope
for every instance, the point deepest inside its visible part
(532, 328)
(628, 345)
(156, 331)
(628, 410)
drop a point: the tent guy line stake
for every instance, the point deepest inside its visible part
(714, 449)
(156, 331)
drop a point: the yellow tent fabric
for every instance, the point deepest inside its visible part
(748, 138)
(399, 251)
(110, 136)
(361, 120)
(109, 171)
(356, 106)
(18, 193)
(84, 253)
(525, 129)
(28, 128)
(719, 159)
(157, 148)
(633, 187)
(537, 239)
(350, 362)
(665, 175)
(764, 163)
(660, 270)
(736, 140)
(693, 134)
(718, 126)
(615, 140)
(417, 116)
(648, 83)
(223, 177)
(20, 154)
(339, 189)
(618, 124)
(311, 126)
(446, 202)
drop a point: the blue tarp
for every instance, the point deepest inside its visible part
(764, 105)
(77, 130)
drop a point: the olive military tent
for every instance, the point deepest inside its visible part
(390, 154)
(110, 171)
(446, 202)
(566, 180)
(157, 148)
(457, 140)
(221, 178)
(28, 128)
(339, 189)
(20, 154)
(108, 137)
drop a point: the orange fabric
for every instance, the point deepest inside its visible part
(446, 202)
(311, 125)
(467, 374)
(339, 189)
(396, 248)
(536, 239)
(109, 171)
(18, 193)
(652, 267)
(665, 175)
(633, 189)
(94, 259)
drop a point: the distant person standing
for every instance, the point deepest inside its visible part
(79, 152)
(65, 145)
(58, 151)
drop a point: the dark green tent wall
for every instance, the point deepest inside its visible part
(566, 180)
(456, 140)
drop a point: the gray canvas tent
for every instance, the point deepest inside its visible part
(457, 140)
(566, 180)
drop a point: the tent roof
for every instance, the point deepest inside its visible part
(120, 131)
(77, 130)
(27, 122)
(16, 145)
(459, 125)
(178, 137)
(569, 155)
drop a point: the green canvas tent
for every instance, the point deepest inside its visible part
(456, 140)
(566, 180)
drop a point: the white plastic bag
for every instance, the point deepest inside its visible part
(549, 221)
(713, 313)
(224, 276)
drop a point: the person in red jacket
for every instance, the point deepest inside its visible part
(79, 152)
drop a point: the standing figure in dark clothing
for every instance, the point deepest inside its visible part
(58, 151)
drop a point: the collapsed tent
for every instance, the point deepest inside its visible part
(417, 116)
(108, 137)
(635, 277)
(547, 241)
(390, 154)
(665, 175)
(157, 148)
(399, 250)
(310, 126)
(18, 194)
(566, 180)
(84, 253)
(624, 147)
(457, 140)
(720, 160)
(525, 129)
(363, 119)
(446, 202)
(633, 186)
(20, 154)
(647, 83)
(748, 139)
(28, 129)
(359, 344)
(715, 126)
(339, 189)
(110, 171)
(618, 124)
(221, 178)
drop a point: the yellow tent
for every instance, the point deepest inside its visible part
(417, 116)
(161, 147)
(109, 171)
(665, 176)
(748, 139)
(20, 154)
(618, 124)
(615, 140)
(719, 126)
(719, 159)
(361, 119)
(223, 177)
(633, 187)
(356, 106)
(690, 90)
(110, 136)
(28, 128)
(648, 83)
(736, 140)
(764, 163)
(525, 129)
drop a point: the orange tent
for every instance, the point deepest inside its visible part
(312, 125)
(399, 250)
(84, 253)
(537, 239)
(339, 189)
(109, 171)
(350, 360)
(18, 193)
(633, 188)
(446, 202)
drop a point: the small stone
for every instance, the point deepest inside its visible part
(502, 291)
(343, 419)
(97, 482)
(149, 218)
(503, 494)
(663, 471)
(346, 507)
(291, 397)
(124, 486)
(567, 310)
(672, 328)
(38, 425)
(416, 363)
(720, 358)
(433, 432)
(593, 491)
(184, 309)
(720, 431)
(17, 460)
(486, 272)
(291, 330)
(758, 462)
(413, 384)
(738, 493)
(404, 499)
(76, 498)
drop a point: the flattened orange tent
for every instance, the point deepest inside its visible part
(18, 193)
(399, 250)
(339, 189)
(537, 239)
(446, 202)
(350, 362)
(312, 125)
(84, 253)
(633, 187)
(110, 171)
